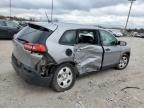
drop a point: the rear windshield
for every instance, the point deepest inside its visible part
(34, 34)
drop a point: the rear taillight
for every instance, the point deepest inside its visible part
(38, 48)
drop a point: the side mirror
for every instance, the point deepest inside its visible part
(122, 43)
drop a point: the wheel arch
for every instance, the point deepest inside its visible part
(123, 53)
(127, 53)
(73, 64)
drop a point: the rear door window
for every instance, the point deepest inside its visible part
(34, 34)
(88, 36)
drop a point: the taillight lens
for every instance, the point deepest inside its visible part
(38, 48)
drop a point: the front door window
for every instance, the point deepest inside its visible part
(107, 38)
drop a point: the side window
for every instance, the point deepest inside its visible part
(2, 23)
(12, 24)
(68, 38)
(107, 38)
(87, 36)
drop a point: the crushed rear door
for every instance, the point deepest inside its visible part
(88, 57)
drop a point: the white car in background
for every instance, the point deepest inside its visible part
(140, 35)
(116, 32)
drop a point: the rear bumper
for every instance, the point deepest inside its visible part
(30, 75)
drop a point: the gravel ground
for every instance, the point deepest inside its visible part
(107, 89)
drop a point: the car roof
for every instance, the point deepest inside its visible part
(66, 26)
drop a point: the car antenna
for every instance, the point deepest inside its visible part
(52, 10)
(47, 16)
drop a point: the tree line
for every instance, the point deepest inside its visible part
(141, 30)
(16, 18)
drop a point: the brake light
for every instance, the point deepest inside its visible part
(38, 48)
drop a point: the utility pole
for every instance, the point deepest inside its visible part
(52, 12)
(10, 9)
(129, 12)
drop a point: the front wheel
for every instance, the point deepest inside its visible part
(123, 62)
(64, 78)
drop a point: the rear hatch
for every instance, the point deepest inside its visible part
(23, 41)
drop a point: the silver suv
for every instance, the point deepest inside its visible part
(55, 53)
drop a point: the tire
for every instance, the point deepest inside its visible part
(64, 78)
(123, 62)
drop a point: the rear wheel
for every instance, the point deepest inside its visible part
(64, 78)
(123, 62)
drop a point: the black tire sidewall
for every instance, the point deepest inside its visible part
(55, 85)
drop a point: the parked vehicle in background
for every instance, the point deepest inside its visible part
(140, 35)
(116, 32)
(55, 53)
(135, 34)
(8, 29)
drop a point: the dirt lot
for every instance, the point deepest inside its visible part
(106, 89)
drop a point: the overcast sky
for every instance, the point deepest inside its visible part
(100, 12)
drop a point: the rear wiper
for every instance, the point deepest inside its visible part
(23, 40)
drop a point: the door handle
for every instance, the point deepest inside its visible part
(107, 49)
